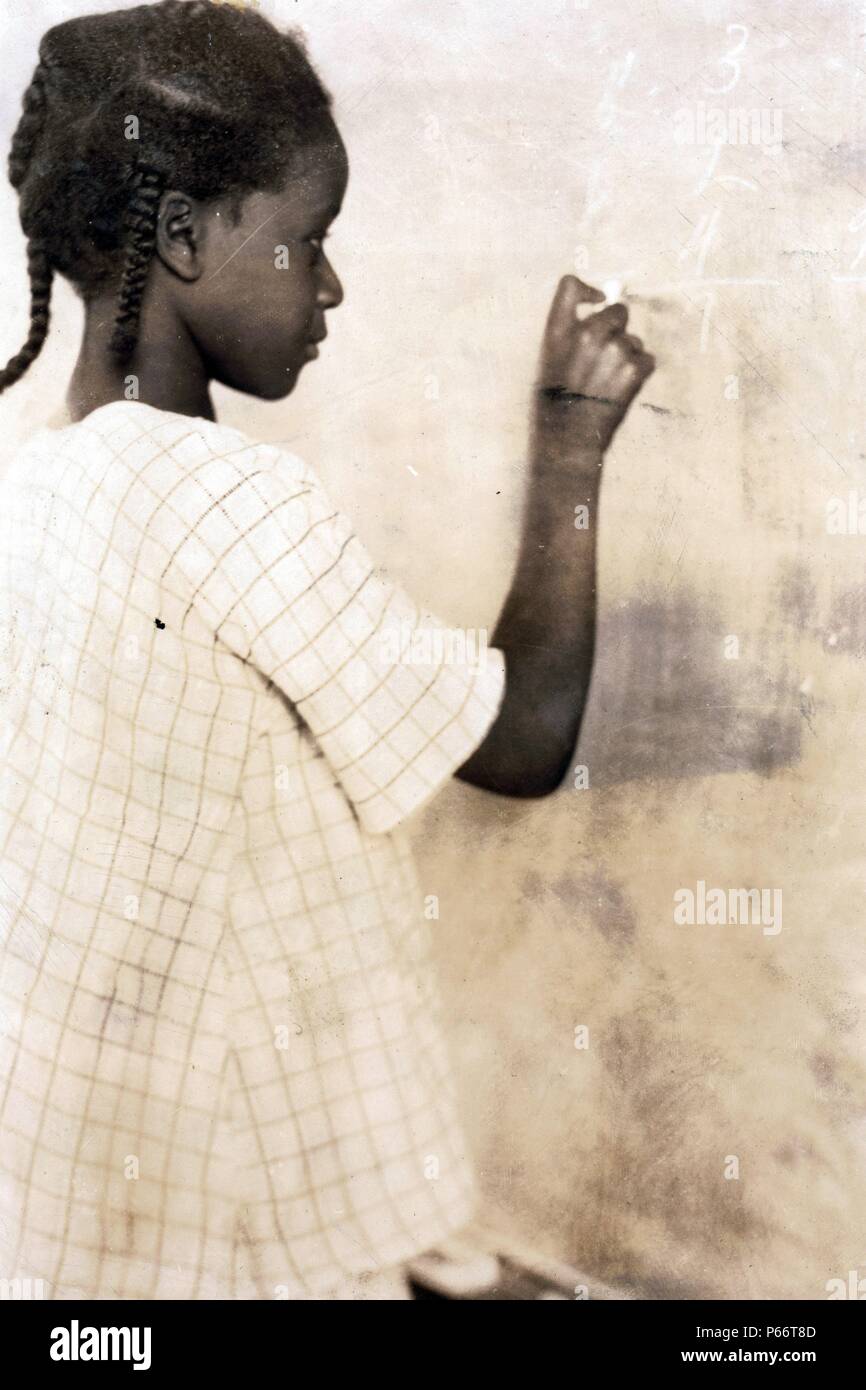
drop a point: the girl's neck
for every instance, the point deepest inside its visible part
(165, 371)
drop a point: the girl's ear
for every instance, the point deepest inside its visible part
(179, 235)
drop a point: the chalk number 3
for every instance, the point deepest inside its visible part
(730, 60)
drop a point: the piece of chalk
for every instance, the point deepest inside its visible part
(612, 290)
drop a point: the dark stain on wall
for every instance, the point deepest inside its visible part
(796, 594)
(601, 901)
(656, 1084)
(846, 630)
(589, 896)
(667, 702)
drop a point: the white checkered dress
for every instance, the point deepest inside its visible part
(222, 1073)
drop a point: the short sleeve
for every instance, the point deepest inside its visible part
(395, 700)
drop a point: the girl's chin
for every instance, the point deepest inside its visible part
(308, 353)
(299, 359)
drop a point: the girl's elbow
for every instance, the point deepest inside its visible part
(529, 782)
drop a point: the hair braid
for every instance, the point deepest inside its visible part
(41, 277)
(29, 128)
(39, 267)
(141, 220)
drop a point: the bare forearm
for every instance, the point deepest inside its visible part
(546, 630)
(590, 371)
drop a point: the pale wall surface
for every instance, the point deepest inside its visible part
(493, 147)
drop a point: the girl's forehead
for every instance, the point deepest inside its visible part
(318, 185)
(309, 196)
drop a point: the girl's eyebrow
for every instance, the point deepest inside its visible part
(323, 218)
(322, 223)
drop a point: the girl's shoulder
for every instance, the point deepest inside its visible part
(164, 469)
(147, 439)
(122, 421)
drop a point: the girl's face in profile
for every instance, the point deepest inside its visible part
(257, 307)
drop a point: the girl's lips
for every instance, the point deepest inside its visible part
(311, 348)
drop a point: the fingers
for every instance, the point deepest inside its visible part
(634, 372)
(643, 362)
(570, 292)
(594, 354)
(620, 367)
(587, 294)
(628, 350)
(607, 323)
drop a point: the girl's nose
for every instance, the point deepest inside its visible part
(330, 290)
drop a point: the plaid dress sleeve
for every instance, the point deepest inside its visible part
(395, 700)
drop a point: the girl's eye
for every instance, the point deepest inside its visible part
(316, 243)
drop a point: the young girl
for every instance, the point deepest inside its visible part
(222, 1071)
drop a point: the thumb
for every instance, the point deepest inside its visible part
(570, 292)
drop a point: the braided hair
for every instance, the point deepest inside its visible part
(140, 236)
(38, 260)
(186, 94)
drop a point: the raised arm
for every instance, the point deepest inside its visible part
(590, 371)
